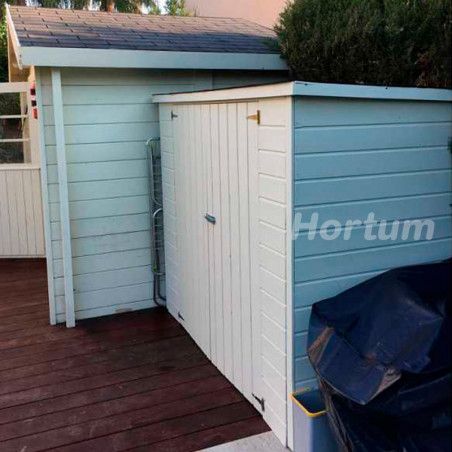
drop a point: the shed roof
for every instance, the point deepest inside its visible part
(55, 29)
(308, 89)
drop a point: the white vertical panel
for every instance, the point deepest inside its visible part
(21, 216)
(188, 237)
(193, 280)
(174, 302)
(11, 188)
(225, 240)
(202, 313)
(217, 302)
(182, 207)
(253, 189)
(5, 235)
(244, 225)
(235, 246)
(37, 212)
(204, 239)
(207, 152)
(29, 213)
(191, 199)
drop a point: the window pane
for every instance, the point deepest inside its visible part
(10, 104)
(11, 153)
(13, 128)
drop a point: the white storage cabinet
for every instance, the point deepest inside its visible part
(240, 166)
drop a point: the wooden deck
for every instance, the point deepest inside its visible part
(133, 381)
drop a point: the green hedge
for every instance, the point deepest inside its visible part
(378, 42)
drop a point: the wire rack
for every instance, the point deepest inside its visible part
(156, 208)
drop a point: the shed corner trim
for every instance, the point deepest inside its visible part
(302, 88)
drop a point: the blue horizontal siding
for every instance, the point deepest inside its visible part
(305, 247)
(99, 152)
(360, 138)
(353, 157)
(319, 191)
(97, 171)
(140, 257)
(343, 112)
(340, 164)
(365, 260)
(105, 133)
(390, 208)
(114, 224)
(105, 114)
(106, 189)
(129, 93)
(98, 208)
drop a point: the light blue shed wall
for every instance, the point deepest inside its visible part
(352, 157)
(108, 116)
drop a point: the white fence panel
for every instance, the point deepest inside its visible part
(21, 225)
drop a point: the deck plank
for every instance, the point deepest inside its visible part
(206, 438)
(134, 380)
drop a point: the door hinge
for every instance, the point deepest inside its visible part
(173, 115)
(180, 316)
(261, 401)
(256, 117)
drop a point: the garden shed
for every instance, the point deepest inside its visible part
(93, 75)
(281, 195)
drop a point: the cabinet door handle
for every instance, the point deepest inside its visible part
(210, 218)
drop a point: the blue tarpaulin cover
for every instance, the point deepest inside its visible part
(382, 354)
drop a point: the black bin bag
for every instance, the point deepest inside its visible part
(382, 354)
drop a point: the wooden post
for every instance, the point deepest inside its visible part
(64, 197)
(40, 143)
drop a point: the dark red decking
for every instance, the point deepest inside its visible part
(133, 381)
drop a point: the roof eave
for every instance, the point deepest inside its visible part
(145, 59)
(12, 37)
(309, 89)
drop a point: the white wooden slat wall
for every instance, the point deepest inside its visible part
(274, 259)
(21, 225)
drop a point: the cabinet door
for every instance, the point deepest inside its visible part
(233, 202)
(216, 161)
(192, 233)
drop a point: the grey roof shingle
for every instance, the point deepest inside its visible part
(99, 30)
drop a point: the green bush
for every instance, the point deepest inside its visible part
(378, 42)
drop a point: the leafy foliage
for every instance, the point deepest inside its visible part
(123, 6)
(3, 52)
(381, 42)
(176, 8)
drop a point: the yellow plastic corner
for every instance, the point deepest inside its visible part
(303, 408)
